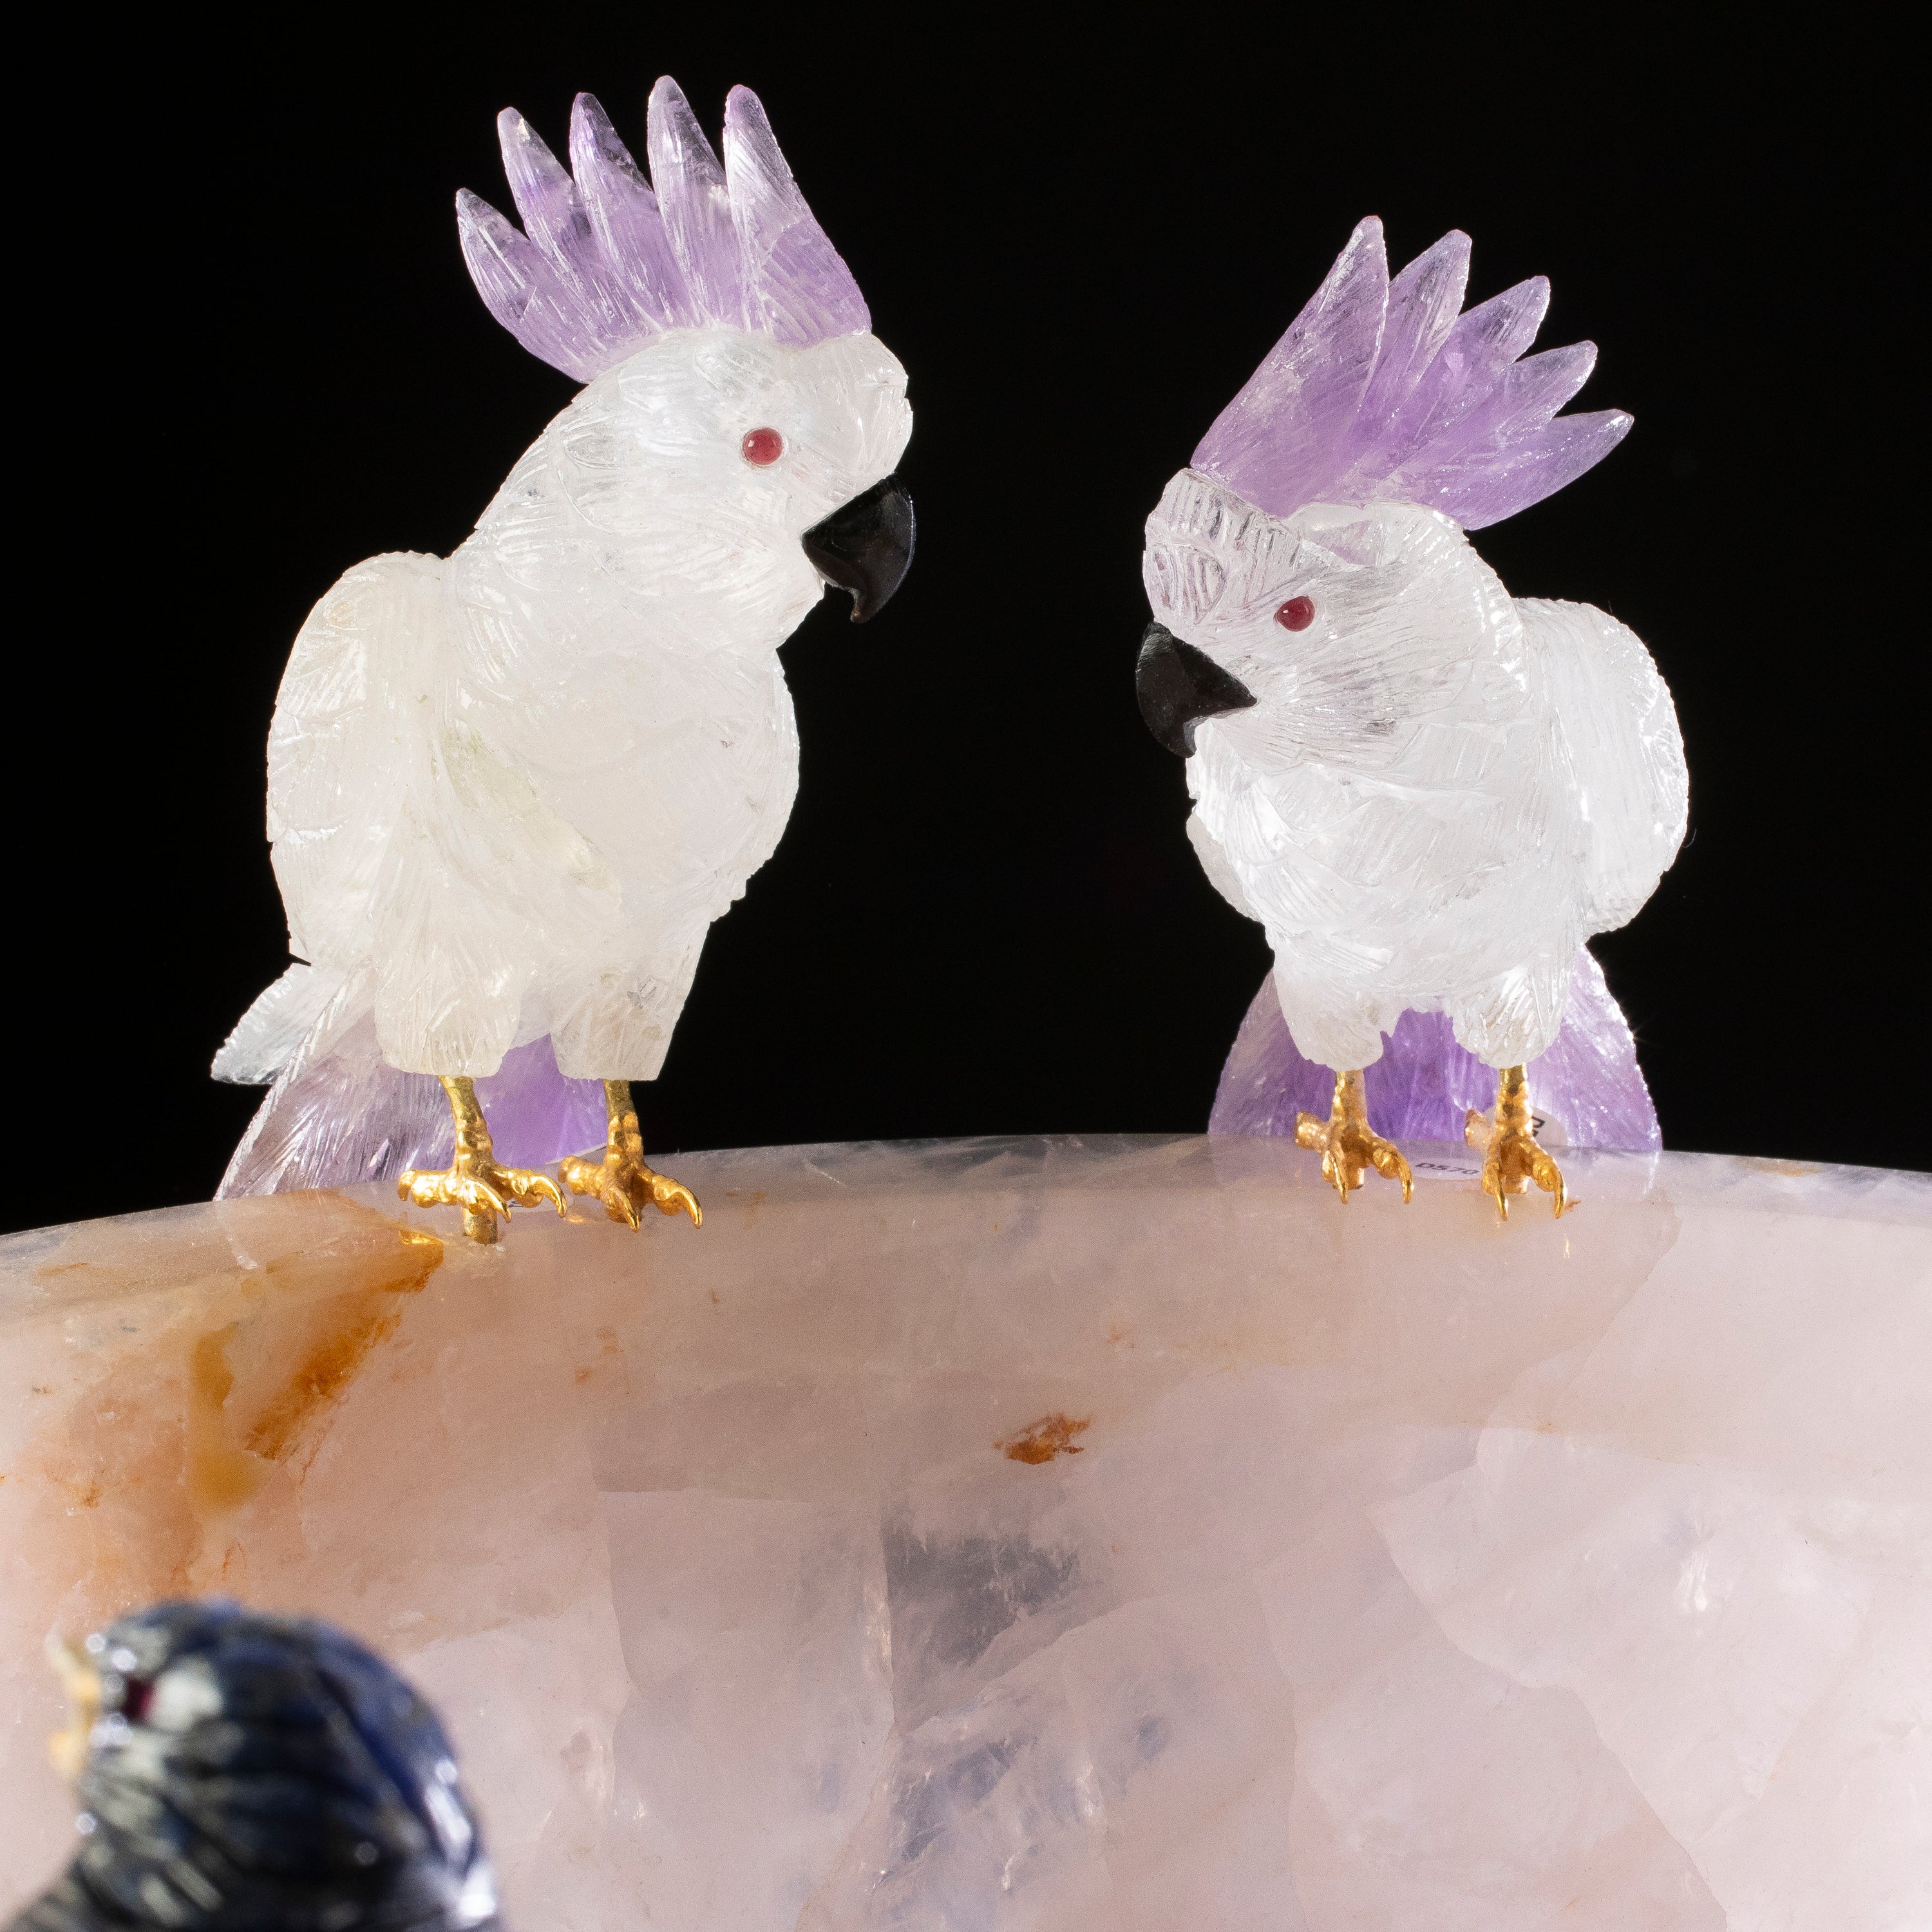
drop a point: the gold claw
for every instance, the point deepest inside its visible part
(533, 1188)
(1549, 1178)
(1511, 1158)
(475, 1180)
(1349, 1146)
(673, 1197)
(621, 1178)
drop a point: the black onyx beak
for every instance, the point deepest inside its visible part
(865, 546)
(1178, 686)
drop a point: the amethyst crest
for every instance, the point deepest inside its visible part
(1389, 391)
(607, 261)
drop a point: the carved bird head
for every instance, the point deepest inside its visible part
(1311, 581)
(742, 423)
(242, 1770)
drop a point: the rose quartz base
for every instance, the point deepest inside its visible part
(1113, 1536)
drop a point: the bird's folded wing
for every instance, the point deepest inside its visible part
(1620, 730)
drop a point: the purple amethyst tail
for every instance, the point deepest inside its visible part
(353, 1117)
(1588, 1081)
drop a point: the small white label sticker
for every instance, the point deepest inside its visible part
(1547, 1129)
(1447, 1167)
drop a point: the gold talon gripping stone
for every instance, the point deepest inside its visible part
(621, 1178)
(475, 1180)
(1511, 1158)
(1349, 1146)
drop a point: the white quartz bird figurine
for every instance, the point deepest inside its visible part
(1429, 793)
(510, 789)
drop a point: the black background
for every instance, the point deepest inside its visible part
(248, 356)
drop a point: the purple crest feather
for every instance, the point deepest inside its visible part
(606, 261)
(1381, 390)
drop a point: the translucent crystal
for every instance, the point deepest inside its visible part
(1380, 391)
(606, 261)
(1439, 792)
(696, 206)
(623, 210)
(1429, 792)
(1423, 302)
(797, 287)
(1050, 1536)
(509, 791)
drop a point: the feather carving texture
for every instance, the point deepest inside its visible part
(1438, 792)
(1381, 391)
(510, 789)
(606, 261)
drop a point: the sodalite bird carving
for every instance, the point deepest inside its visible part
(1428, 792)
(510, 789)
(245, 1773)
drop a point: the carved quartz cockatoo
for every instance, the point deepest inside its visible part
(1428, 792)
(510, 789)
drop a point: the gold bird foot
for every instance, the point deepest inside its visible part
(1507, 1142)
(475, 1180)
(1349, 1146)
(622, 1179)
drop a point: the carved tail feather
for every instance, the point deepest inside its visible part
(346, 1116)
(1589, 1081)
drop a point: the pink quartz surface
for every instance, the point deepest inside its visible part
(1104, 1535)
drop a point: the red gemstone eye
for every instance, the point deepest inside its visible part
(762, 446)
(134, 1698)
(1297, 614)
